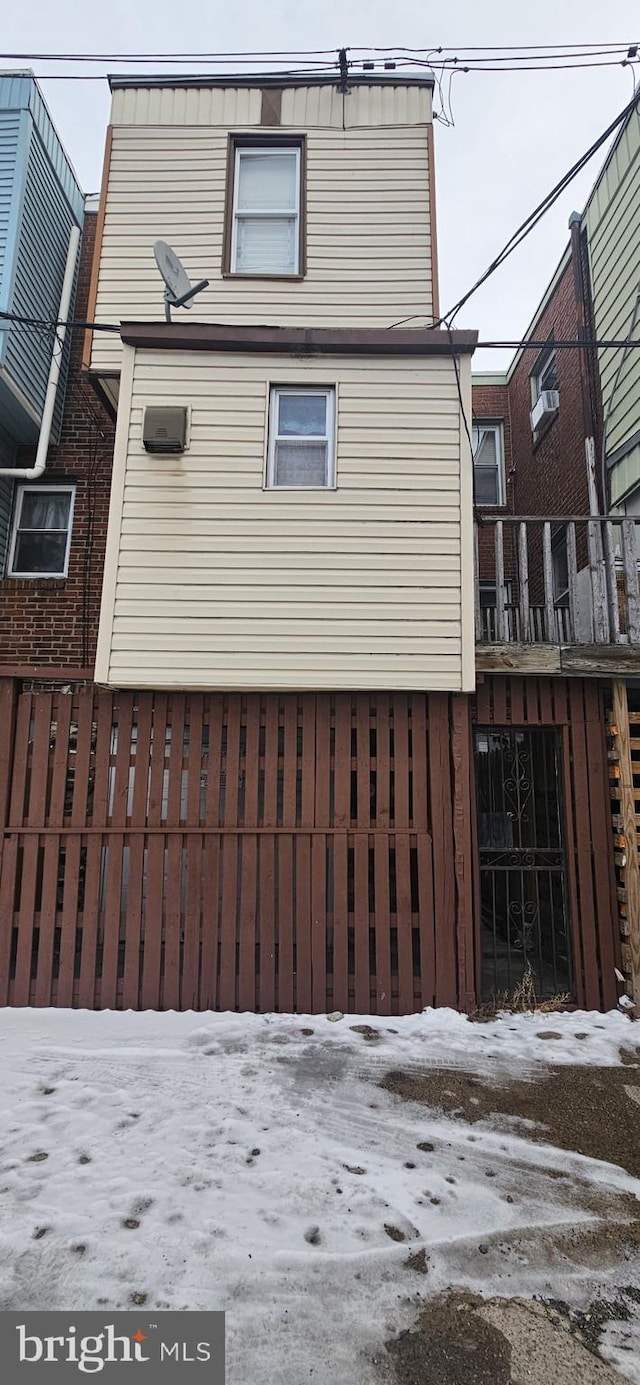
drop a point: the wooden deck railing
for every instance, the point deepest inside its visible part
(557, 580)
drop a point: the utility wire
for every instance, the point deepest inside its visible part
(532, 220)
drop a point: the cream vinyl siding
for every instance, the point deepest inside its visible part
(212, 581)
(368, 244)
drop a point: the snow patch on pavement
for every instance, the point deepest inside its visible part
(231, 1161)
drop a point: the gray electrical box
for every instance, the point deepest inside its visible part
(165, 429)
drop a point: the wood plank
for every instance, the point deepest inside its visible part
(546, 702)
(267, 922)
(69, 921)
(443, 873)
(252, 760)
(322, 814)
(302, 910)
(419, 742)
(173, 916)
(81, 759)
(208, 999)
(173, 792)
(547, 575)
(427, 922)
(153, 919)
(342, 761)
(26, 912)
(227, 981)
(341, 922)
(157, 759)
(462, 847)
(271, 761)
(598, 585)
(611, 581)
(401, 759)
(631, 589)
(499, 690)
(40, 757)
(17, 805)
(516, 686)
(575, 933)
(404, 924)
(483, 703)
(285, 990)
(476, 586)
(572, 566)
(361, 922)
(111, 922)
(290, 761)
(214, 760)
(131, 986)
(523, 584)
(584, 846)
(629, 827)
(501, 591)
(308, 760)
(520, 658)
(47, 922)
(363, 760)
(319, 922)
(7, 896)
(247, 912)
(122, 776)
(190, 970)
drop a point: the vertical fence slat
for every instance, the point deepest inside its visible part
(572, 569)
(210, 895)
(247, 922)
(7, 892)
(501, 595)
(308, 761)
(189, 980)
(363, 760)
(284, 972)
(69, 920)
(176, 760)
(632, 594)
(584, 843)
(602, 842)
(443, 876)
(290, 761)
(404, 921)
(340, 922)
(271, 762)
(427, 980)
(419, 739)
(523, 584)
(342, 761)
(598, 584)
(173, 919)
(133, 917)
(401, 759)
(267, 924)
(36, 813)
(214, 760)
(361, 922)
(19, 778)
(302, 908)
(462, 847)
(611, 583)
(318, 922)
(547, 574)
(381, 863)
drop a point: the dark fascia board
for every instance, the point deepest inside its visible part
(269, 79)
(303, 341)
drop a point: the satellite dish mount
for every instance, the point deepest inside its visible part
(179, 291)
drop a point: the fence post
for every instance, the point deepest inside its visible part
(598, 584)
(501, 631)
(547, 568)
(628, 812)
(523, 583)
(630, 560)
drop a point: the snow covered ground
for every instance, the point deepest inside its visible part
(253, 1163)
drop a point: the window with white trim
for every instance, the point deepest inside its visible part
(301, 449)
(41, 531)
(488, 463)
(265, 234)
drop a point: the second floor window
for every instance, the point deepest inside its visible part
(301, 437)
(488, 463)
(41, 534)
(545, 375)
(265, 229)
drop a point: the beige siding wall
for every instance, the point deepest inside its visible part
(213, 581)
(613, 227)
(368, 232)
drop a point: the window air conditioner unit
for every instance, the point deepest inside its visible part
(544, 409)
(165, 429)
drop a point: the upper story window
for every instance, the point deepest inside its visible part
(544, 375)
(41, 533)
(264, 210)
(301, 448)
(488, 463)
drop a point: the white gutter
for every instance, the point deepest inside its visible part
(32, 473)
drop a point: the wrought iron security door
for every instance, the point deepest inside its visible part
(524, 914)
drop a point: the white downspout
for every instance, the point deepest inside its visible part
(32, 473)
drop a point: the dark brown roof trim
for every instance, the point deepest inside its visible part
(304, 341)
(270, 79)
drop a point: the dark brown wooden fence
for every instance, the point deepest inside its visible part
(251, 852)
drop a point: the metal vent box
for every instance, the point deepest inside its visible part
(165, 429)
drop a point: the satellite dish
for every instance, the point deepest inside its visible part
(179, 292)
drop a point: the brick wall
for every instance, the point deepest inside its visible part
(54, 621)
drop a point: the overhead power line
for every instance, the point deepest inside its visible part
(532, 220)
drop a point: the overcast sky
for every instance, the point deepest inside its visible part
(514, 135)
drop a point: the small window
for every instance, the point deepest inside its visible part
(488, 463)
(41, 534)
(301, 437)
(265, 216)
(545, 375)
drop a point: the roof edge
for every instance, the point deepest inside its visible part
(269, 79)
(310, 341)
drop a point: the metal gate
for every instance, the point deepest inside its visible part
(523, 889)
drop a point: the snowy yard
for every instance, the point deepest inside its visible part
(255, 1164)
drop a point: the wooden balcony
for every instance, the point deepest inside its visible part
(557, 594)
